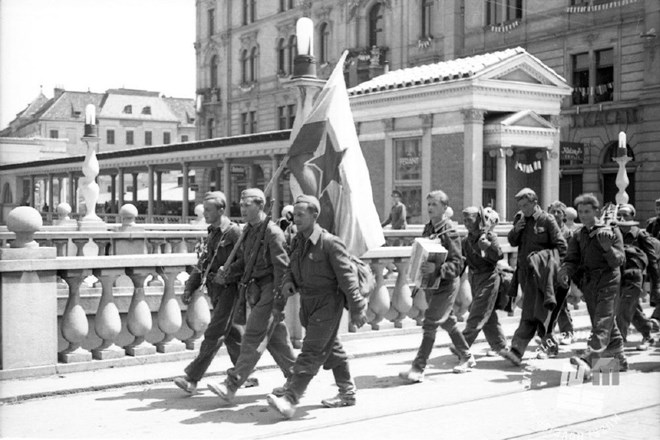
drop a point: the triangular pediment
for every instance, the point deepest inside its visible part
(523, 118)
(524, 68)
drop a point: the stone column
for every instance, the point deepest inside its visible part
(60, 190)
(473, 157)
(33, 199)
(135, 187)
(122, 187)
(159, 192)
(501, 154)
(226, 180)
(218, 178)
(28, 298)
(71, 187)
(274, 163)
(427, 124)
(550, 177)
(150, 202)
(51, 197)
(113, 192)
(184, 187)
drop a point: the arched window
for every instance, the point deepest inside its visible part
(244, 66)
(293, 51)
(281, 56)
(253, 64)
(214, 72)
(376, 25)
(324, 40)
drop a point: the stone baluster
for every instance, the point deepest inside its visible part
(139, 320)
(62, 246)
(379, 300)
(190, 244)
(401, 296)
(198, 317)
(103, 244)
(178, 245)
(169, 313)
(74, 320)
(80, 244)
(107, 322)
(156, 245)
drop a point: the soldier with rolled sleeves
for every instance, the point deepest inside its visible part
(262, 254)
(533, 230)
(594, 259)
(637, 245)
(222, 235)
(482, 252)
(323, 274)
(440, 311)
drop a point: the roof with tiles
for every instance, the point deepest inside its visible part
(184, 109)
(442, 72)
(136, 106)
(69, 106)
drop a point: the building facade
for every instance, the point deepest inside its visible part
(607, 50)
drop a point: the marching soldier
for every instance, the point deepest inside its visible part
(321, 271)
(534, 230)
(594, 259)
(223, 234)
(259, 269)
(440, 311)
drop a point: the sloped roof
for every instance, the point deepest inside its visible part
(69, 105)
(33, 106)
(184, 109)
(443, 72)
(114, 104)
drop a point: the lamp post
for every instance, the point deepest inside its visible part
(622, 180)
(89, 188)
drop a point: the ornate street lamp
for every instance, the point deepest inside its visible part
(304, 64)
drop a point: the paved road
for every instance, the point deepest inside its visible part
(494, 401)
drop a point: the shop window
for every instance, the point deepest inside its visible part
(408, 175)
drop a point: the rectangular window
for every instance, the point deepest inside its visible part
(245, 4)
(253, 122)
(184, 138)
(110, 137)
(211, 21)
(604, 87)
(54, 134)
(167, 137)
(281, 112)
(408, 157)
(210, 127)
(148, 138)
(426, 17)
(130, 137)
(253, 11)
(490, 168)
(580, 78)
(244, 123)
(292, 114)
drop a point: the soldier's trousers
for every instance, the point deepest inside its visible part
(320, 315)
(440, 313)
(561, 294)
(630, 310)
(221, 330)
(529, 325)
(256, 333)
(483, 316)
(601, 294)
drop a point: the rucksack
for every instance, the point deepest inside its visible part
(365, 276)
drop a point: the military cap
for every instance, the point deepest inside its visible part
(526, 193)
(471, 210)
(310, 200)
(627, 207)
(217, 197)
(253, 193)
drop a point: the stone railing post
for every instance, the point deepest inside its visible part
(169, 313)
(28, 299)
(107, 322)
(198, 317)
(139, 320)
(74, 320)
(401, 296)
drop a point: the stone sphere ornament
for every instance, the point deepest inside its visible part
(24, 221)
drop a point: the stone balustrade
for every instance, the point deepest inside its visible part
(54, 320)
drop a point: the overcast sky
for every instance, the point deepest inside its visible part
(94, 45)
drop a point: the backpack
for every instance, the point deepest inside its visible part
(365, 276)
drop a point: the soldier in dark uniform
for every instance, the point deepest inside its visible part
(594, 259)
(482, 252)
(533, 230)
(630, 310)
(440, 311)
(263, 249)
(653, 228)
(323, 274)
(223, 234)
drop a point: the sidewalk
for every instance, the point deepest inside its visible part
(358, 345)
